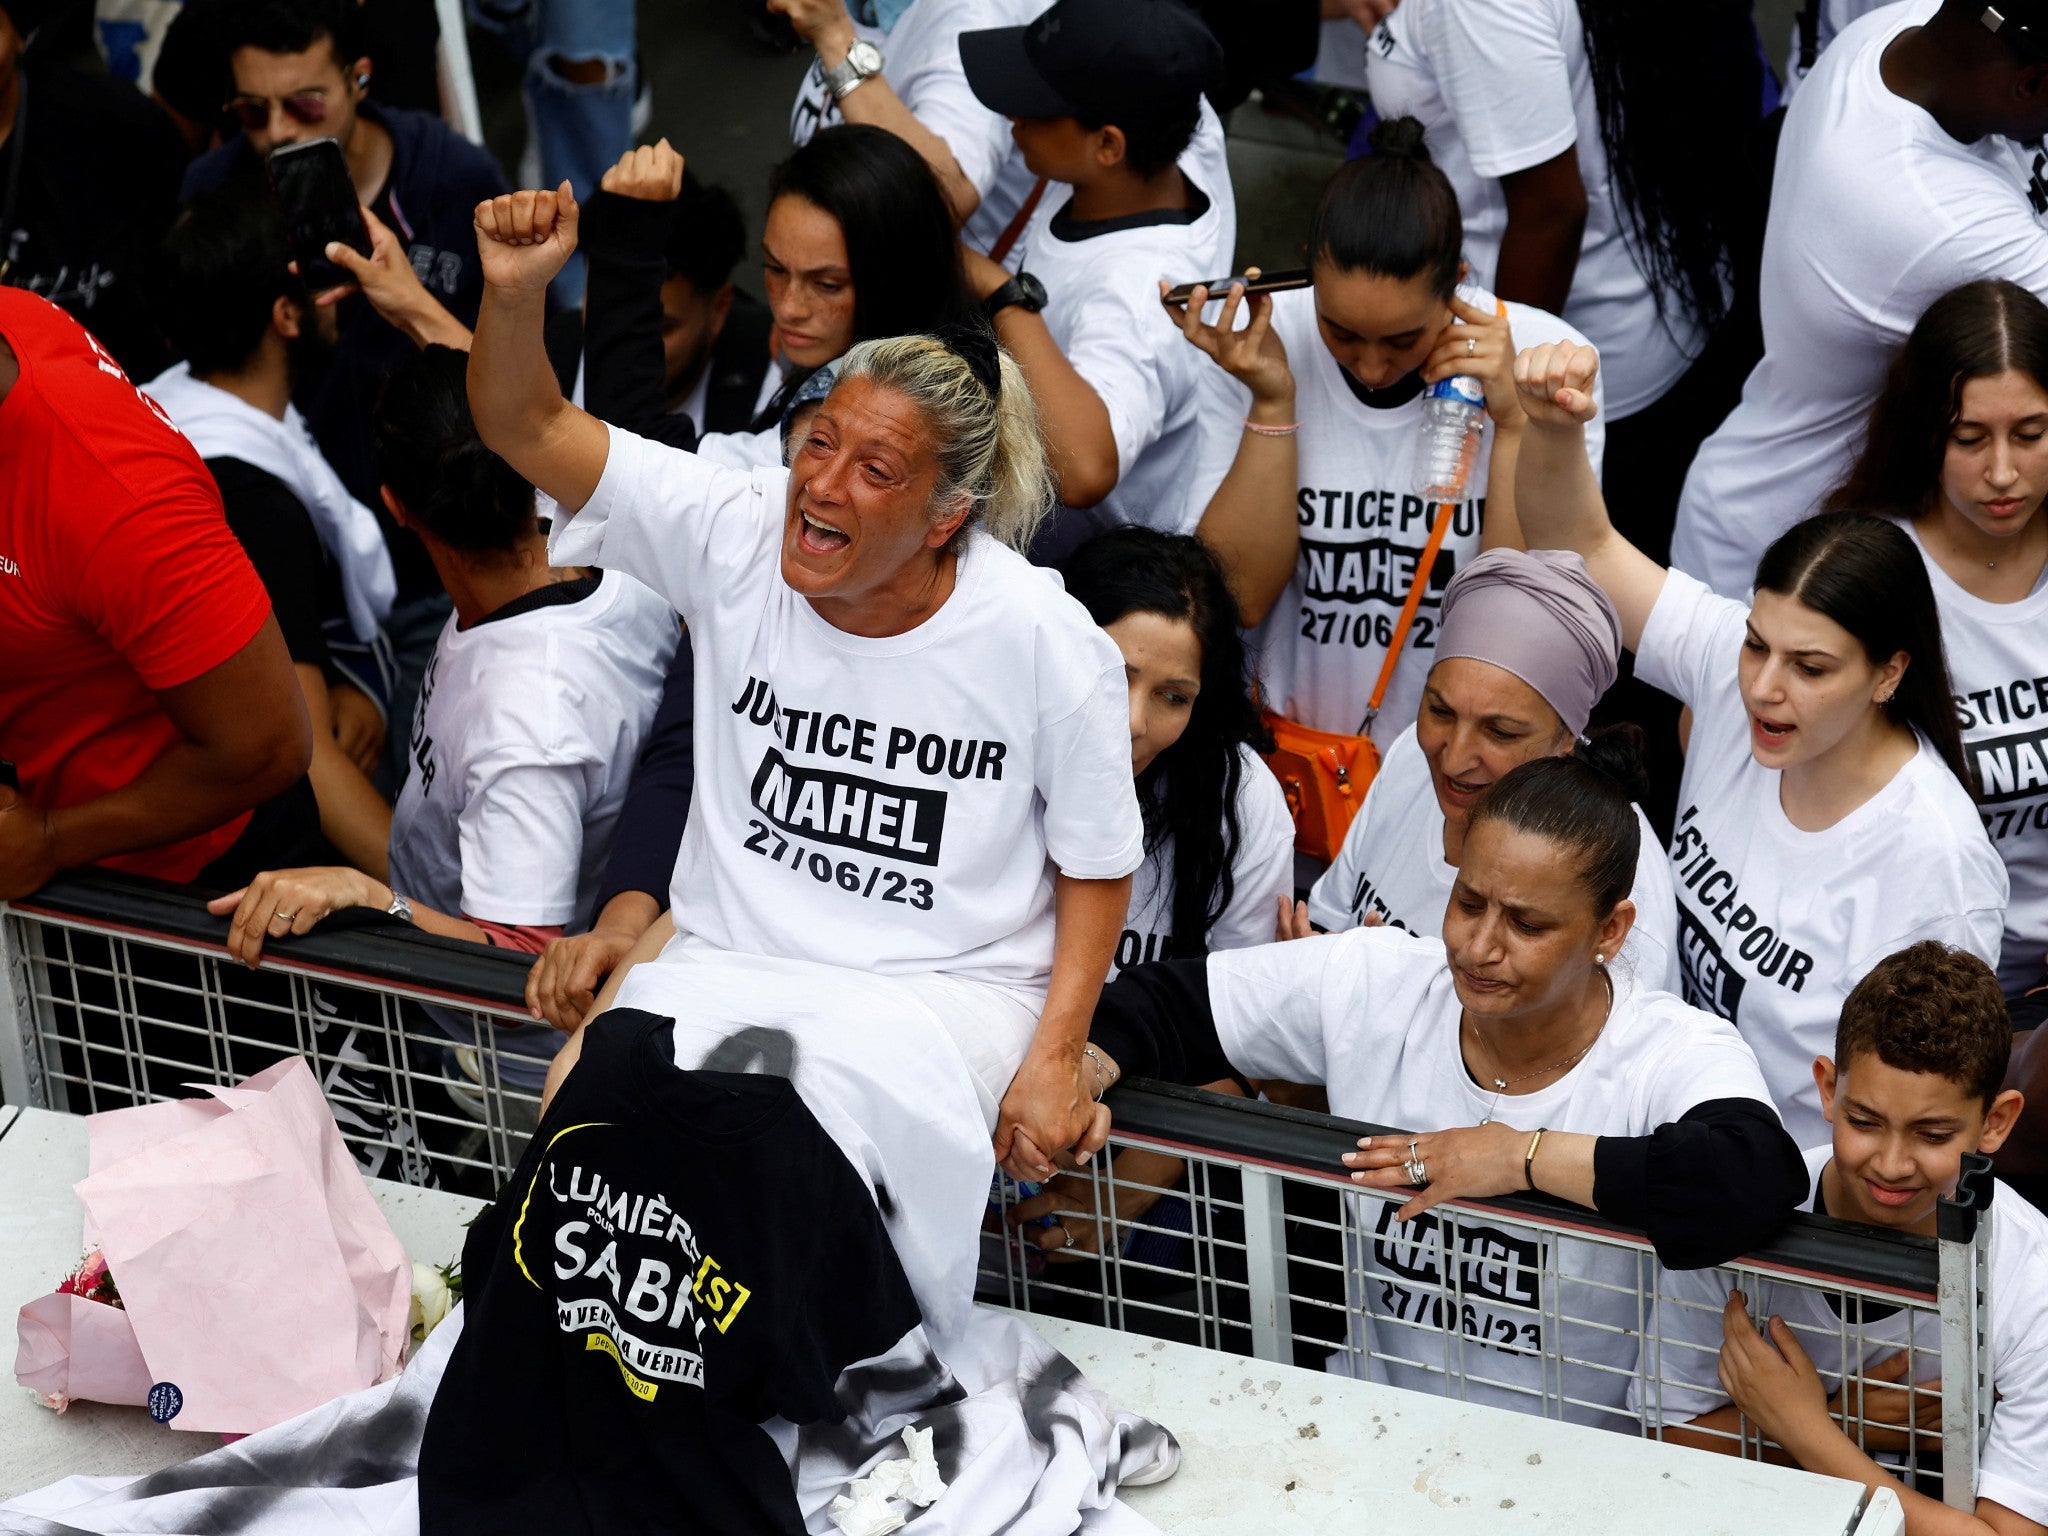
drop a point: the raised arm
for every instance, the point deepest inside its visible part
(1250, 522)
(524, 238)
(1557, 496)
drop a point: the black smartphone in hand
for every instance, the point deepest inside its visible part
(1265, 282)
(318, 197)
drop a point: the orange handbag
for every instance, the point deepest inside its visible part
(1324, 773)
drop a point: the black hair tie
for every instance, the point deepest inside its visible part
(975, 345)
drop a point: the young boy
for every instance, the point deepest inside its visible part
(1920, 1051)
(1104, 98)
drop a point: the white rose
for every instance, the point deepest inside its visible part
(430, 1301)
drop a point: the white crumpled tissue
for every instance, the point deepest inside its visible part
(865, 1510)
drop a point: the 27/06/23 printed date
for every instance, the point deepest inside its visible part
(869, 881)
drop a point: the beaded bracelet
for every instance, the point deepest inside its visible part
(1265, 431)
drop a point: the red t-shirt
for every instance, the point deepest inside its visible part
(118, 576)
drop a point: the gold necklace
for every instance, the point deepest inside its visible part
(1502, 1084)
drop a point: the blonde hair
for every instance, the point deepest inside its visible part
(989, 448)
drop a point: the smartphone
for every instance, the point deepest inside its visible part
(1265, 282)
(318, 197)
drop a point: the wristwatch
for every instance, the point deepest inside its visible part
(400, 908)
(1022, 290)
(863, 61)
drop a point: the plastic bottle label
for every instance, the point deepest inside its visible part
(1458, 386)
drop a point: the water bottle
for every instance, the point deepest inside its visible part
(1453, 416)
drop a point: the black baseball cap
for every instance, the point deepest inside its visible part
(1110, 61)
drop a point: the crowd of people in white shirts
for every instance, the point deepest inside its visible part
(973, 626)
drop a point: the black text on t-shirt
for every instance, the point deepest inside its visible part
(1340, 574)
(1707, 892)
(1497, 1297)
(2010, 768)
(1365, 899)
(804, 804)
(422, 743)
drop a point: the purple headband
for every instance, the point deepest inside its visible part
(1537, 614)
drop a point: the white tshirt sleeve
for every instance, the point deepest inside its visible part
(1692, 642)
(1681, 1368)
(677, 523)
(1264, 869)
(2013, 1469)
(1701, 1058)
(521, 840)
(1121, 347)
(1501, 67)
(1268, 1005)
(1093, 829)
(941, 100)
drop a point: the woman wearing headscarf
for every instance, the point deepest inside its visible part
(1528, 645)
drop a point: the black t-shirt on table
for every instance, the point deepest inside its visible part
(679, 1256)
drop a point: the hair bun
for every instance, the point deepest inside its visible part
(1400, 138)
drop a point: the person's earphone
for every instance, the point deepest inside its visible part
(363, 81)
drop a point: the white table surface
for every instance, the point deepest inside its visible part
(1298, 1450)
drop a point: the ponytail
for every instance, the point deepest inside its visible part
(1392, 213)
(1621, 752)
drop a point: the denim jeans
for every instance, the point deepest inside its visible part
(581, 128)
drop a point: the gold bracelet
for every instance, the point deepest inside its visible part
(1529, 1158)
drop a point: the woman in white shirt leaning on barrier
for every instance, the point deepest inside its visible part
(913, 757)
(1515, 1056)
(1825, 818)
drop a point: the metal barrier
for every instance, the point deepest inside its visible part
(1236, 1227)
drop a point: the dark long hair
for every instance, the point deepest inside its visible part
(1579, 806)
(1678, 91)
(1391, 213)
(1973, 332)
(1189, 793)
(900, 245)
(1864, 573)
(429, 454)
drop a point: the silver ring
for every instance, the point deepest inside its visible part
(1065, 1232)
(1417, 1171)
(1471, 345)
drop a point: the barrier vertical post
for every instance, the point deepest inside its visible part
(20, 1063)
(1963, 1227)
(1265, 1242)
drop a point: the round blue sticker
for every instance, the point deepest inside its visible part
(164, 1402)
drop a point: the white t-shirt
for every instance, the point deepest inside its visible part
(2012, 1467)
(1262, 872)
(1102, 283)
(1831, 17)
(1776, 924)
(1875, 213)
(1373, 1015)
(1998, 666)
(1363, 527)
(921, 62)
(523, 743)
(1503, 85)
(901, 804)
(1392, 863)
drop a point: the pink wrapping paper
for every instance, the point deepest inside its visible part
(259, 1277)
(69, 1347)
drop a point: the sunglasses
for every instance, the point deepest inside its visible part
(308, 108)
